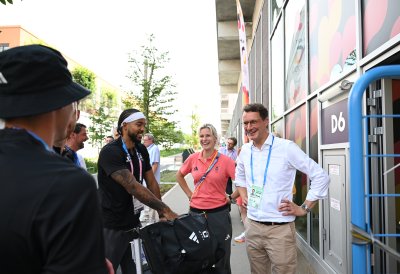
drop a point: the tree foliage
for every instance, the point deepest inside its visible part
(153, 93)
(99, 104)
(101, 126)
(193, 139)
(86, 78)
(4, 2)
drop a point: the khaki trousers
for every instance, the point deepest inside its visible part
(271, 248)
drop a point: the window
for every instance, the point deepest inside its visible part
(277, 73)
(332, 40)
(295, 124)
(295, 83)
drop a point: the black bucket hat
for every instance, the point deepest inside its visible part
(35, 79)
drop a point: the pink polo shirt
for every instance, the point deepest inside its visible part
(211, 193)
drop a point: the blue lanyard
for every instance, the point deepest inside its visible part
(74, 154)
(129, 158)
(266, 167)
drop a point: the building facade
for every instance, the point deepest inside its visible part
(304, 57)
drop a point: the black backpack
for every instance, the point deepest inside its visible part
(183, 246)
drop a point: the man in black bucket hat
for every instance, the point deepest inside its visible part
(50, 219)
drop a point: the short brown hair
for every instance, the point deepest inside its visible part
(234, 140)
(256, 107)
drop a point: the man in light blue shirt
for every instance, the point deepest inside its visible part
(265, 174)
(154, 153)
(149, 215)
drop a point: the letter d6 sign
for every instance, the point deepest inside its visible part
(338, 123)
(334, 123)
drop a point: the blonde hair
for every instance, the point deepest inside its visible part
(213, 132)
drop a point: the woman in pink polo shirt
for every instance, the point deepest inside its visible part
(210, 171)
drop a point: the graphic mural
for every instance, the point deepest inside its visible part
(332, 40)
(381, 22)
(295, 84)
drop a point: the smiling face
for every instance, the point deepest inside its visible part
(207, 139)
(134, 130)
(255, 127)
(81, 137)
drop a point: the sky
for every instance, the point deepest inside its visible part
(99, 34)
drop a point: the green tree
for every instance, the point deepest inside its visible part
(165, 133)
(109, 98)
(101, 125)
(193, 139)
(4, 2)
(153, 93)
(86, 78)
(100, 106)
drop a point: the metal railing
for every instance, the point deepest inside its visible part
(363, 236)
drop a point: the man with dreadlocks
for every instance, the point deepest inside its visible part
(122, 166)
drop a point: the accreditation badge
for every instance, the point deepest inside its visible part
(255, 196)
(137, 206)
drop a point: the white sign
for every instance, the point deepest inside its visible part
(337, 123)
(334, 170)
(335, 204)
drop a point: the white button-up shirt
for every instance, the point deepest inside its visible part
(286, 158)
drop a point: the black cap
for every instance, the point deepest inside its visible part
(35, 79)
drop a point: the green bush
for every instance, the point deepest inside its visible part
(168, 176)
(172, 151)
(91, 165)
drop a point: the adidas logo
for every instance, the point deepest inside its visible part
(193, 237)
(3, 79)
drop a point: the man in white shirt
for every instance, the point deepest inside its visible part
(265, 174)
(149, 215)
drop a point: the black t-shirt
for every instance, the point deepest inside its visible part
(50, 219)
(116, 202)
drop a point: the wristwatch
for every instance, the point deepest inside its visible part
(306, 208)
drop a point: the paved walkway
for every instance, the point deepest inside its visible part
(173, 162)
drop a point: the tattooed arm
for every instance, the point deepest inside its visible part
(125, 178)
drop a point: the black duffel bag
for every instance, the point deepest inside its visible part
(182, 246)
